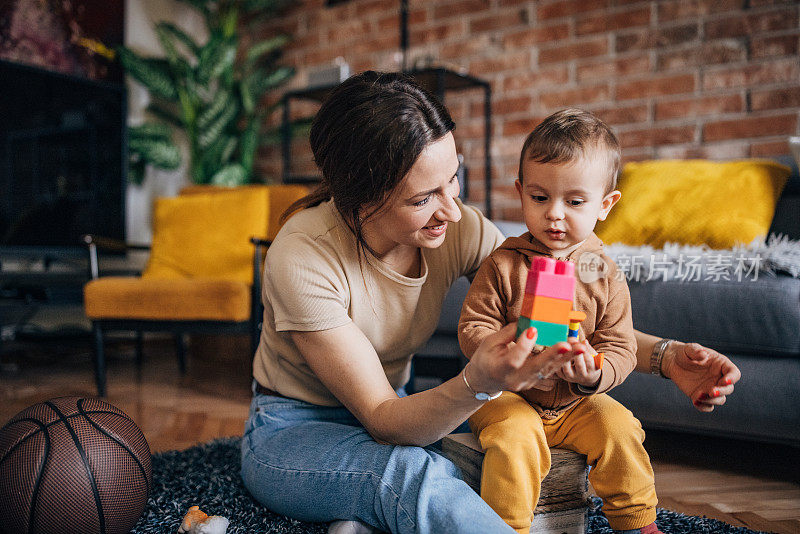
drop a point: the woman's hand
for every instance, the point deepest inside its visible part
(502, 363)
(703, 374)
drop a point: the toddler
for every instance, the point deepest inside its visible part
(567, 179)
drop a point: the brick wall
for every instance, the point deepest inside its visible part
(675, 78)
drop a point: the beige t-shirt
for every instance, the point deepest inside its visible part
(313, 281)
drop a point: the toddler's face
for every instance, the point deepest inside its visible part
(561, 203)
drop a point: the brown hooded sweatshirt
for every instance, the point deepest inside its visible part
(495, 299)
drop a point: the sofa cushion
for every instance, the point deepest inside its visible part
(759, 316)
(695, 202)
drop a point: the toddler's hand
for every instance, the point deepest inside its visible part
(581, 369)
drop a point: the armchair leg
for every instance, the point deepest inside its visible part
(180, 348)
(99, 359)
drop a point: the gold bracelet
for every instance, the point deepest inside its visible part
(657, 356)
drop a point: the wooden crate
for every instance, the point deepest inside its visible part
(563, 503)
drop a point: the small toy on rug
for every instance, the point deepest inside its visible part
(197, 522)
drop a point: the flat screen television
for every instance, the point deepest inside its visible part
(63, 158)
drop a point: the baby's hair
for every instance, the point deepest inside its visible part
(567, 135)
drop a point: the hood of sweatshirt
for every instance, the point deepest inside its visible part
(529, 246)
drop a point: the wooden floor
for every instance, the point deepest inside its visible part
(741, 483)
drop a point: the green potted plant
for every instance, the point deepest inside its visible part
(212, 92)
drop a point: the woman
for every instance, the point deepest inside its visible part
(353, 286)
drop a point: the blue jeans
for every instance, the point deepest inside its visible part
(316, 463)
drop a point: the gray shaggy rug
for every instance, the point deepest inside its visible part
(208, 476)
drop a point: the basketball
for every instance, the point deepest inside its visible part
(72, 464)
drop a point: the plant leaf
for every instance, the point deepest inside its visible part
(165, 114)
(246, 94)
(260, 81)
(207, 136)
(155, 130)
(249, 144)
(136, 172)
(264, 47)
(181, 36)
(153, 73)
(160, 153)
(221, 98)
(215, 58)
(232, 174)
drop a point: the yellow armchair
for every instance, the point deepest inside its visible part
(203, 273)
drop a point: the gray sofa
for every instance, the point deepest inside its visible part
(755, 323)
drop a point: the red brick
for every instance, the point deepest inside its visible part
(729, 51)
(656, 86)
(741, 25)
(463, 7)
(544, 77)
(504, 106)
(753, 74)
(566, 8)
(389, 24)
(769, 149)
(692, 9)
(350, 31)
(745, 127)
(519, 126)
(788, 97)
(717, 151)
(496, 21)
(437, 33)
(783, 45)
(699, 106)
(475, 46)
(650, 38)
(617, 114)
(539, 34)
(613, 68)
(370, 8)
(575, 97)
(657, 136)
(311, 40)
(637, 154)
(469, 130)
(592, 23)
(501, 63)
(368, 45)
(574, 50)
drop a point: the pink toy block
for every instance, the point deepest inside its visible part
(551, 278)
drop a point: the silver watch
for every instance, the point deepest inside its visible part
(480, 395)
(657, 356)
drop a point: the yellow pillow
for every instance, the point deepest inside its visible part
(207, 235)
(694, 202)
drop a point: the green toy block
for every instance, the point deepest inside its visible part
(549, 333)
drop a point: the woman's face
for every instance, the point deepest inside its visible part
(417, 213)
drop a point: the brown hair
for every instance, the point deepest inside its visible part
(365, 138)
(567, 135)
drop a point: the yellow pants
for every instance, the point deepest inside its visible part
(517, 444)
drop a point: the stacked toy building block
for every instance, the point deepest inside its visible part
(547, 304)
